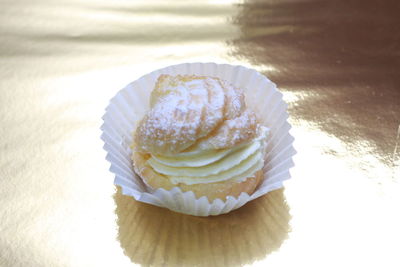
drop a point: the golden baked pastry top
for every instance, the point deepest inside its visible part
(192, 113)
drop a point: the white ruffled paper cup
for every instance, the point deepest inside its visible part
(131, 103)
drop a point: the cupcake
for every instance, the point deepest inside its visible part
(186, 138)
(200, 136)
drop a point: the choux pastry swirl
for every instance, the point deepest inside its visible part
(200, 136)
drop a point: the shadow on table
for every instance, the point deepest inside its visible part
(155, 236)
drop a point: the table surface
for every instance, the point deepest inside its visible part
(336, 62)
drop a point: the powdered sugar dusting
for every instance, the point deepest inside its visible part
(192, 112)
(231, 132)
(184, 109)
(234, 98)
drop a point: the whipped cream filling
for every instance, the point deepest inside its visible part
(209, 166)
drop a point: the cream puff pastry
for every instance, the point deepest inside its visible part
(199, 136)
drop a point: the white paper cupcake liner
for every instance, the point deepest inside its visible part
(132, 102)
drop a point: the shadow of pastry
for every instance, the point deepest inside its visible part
(153, 236)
